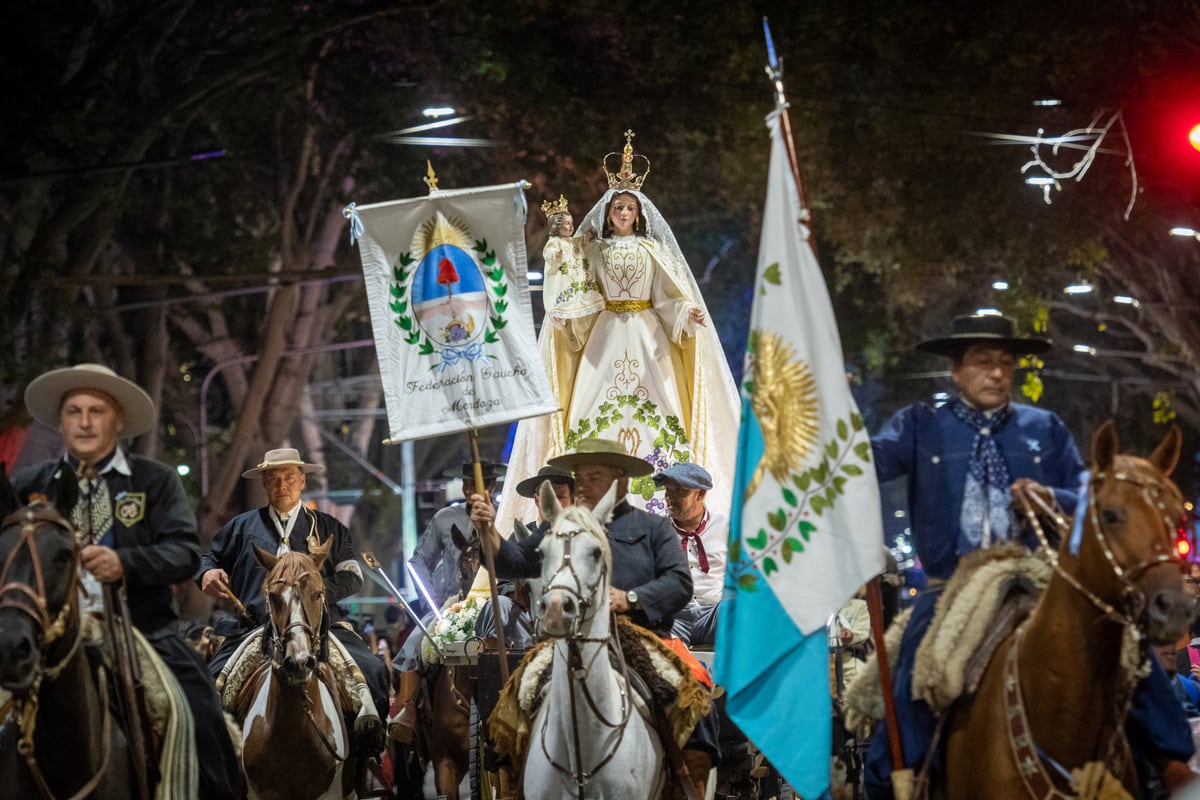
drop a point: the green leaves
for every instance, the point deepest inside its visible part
(771, 274)
(758, 542)
(778, 519)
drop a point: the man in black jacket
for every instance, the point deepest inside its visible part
(285, 523)
(137, 528)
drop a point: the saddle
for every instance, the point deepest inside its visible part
(243, 673)
(171, 737)
(657, 674)
(989, 595)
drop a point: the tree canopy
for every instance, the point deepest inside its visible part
(173, 176)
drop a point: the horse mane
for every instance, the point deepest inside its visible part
(587, 522)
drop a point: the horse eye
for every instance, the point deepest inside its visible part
(64, 556)
(596, 553)
(1111, 516)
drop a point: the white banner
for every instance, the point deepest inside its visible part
(446, 283)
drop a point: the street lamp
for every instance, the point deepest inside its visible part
(1082, 287)
(1182, 231)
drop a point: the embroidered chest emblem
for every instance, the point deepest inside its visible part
(130, 508)
(1034, 445)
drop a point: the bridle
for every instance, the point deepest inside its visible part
(577, 671)
(1127, 612)
(311, 632)
(1132, 601)
(33, 603)
(574, 586)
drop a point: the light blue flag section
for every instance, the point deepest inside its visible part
(776, 679)
(805, 527)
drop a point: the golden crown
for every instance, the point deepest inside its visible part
(558, 206)
(625, 177)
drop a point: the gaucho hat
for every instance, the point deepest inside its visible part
(529, 486)
(989, 329)
(606, 453)
(283, 457)
(466, 471)
(45, 393)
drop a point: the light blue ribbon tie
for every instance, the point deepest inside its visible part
(357, 230)
(450, 356)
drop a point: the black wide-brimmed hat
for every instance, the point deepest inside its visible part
(529, 486)
(988, 329)
(466, 471)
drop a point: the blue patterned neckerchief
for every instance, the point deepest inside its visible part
(987, 494)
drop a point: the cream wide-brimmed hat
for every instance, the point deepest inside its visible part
(283, 457)
(44, 395)
(606, 453)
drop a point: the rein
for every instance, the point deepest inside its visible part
(34, 605)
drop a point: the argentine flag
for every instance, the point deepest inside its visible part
(805, 528)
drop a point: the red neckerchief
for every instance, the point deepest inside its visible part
(685, 535)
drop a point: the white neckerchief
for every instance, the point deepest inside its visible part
(284, 529)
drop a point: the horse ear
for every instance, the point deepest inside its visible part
(548, 501)
(1104, 446)
(320, 552)
(63, 491)
(520, 532)
(603, 510)
(460, 541)
(1166, 455)
(268, 560)
(8, 496)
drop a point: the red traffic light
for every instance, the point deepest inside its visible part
(1183, 547)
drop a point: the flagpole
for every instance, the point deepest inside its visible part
(774, 71)
(489, 561)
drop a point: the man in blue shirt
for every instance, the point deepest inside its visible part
(962, 461)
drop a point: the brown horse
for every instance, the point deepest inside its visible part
(294, 738)
(66, 742)
(1057, 691)
(447, 725)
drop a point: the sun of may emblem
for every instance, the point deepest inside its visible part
(807, 477)
(449, 293)
(786, 406)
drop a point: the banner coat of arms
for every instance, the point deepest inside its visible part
(446, 283)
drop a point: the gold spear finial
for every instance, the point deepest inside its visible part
(430, 177)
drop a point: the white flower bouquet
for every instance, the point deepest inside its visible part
(456, 627)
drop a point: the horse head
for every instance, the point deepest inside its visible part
(39, 582)
(1126, 554)
(576, 564)
(468, 558)
(295, 594)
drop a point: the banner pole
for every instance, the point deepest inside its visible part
(489, 561)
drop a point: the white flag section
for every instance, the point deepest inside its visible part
(446, 283)
(805, 528)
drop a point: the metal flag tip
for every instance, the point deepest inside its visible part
(771, 60)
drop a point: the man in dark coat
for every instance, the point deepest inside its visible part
(651, 581)
(285, 523)
(137, 528)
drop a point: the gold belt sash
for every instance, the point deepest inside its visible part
(627, 306)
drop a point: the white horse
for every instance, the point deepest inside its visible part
(592, 736)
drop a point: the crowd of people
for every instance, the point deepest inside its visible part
(629, 351)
